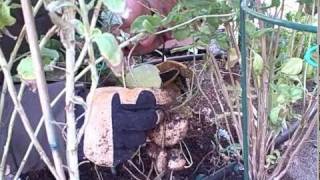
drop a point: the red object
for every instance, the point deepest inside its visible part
(136, 8)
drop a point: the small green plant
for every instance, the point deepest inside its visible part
(272, 158)
(5, 16)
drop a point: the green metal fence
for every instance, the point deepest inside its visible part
(244, 10)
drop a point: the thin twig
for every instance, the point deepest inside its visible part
(68, 38)
(299, 136)
(201, 161)
(263, 104)
(38, 128)
(13, 56)
(205, 95)
(43, 41)
(151, 170)
(190, 162)
(216, 72)
(41, 84)
(221, 107)
(13, 115)
(194, 19)
(131, 173)
(140, 172)
(298, 147)
(84, 50)
(23, 115)
(9, 135)
(171, 175)
(92, 65)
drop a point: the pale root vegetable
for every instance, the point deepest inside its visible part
(175, 131)
(162, 161)
(173, 160)
(167, 95)
(152, 150)
(176, 160)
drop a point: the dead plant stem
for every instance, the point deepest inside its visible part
(41, 84)
(131, 173)
(221, 107)
(295, 147)
(23, 115)
(24, 160)
(67, 35)
(215, 69)
(263, 105)
(13, 56)
(137, 169)
(194, 19)
(84, 50)
(9, 135)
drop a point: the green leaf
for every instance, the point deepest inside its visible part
(250, 28)
(205, 29)
(148, 26)
(296, 93)
(288, 93)
(53, 44)
(222, 40)
(274, 115)
(146, 23)
(290, 16)
(214, 22)
(197, 4)
(50, 53)
(136, 25)
(175, 16)
(116, 6)
(257, 63)
(78, 25)
(109, 49)
(308, 2)
(181, 33)
(275, 3)
(292, 66)
(281, 99)
(25, 69)
(144, 76)
(5, 17)
(277, 153)
(281, 87)
(96, 32)
(49, 57)
(272, 157)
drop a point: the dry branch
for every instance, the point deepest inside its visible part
(14, 54)
(9, 136)
(67, 35)
(19, 108)
(41, 84)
